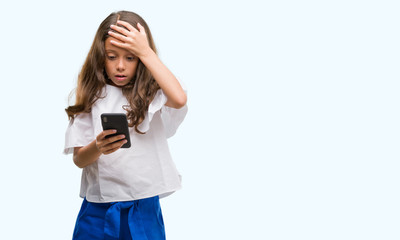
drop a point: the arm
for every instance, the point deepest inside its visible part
(136, 42)
(84, 156)
(165, 79)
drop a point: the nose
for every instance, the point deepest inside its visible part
(121, 64)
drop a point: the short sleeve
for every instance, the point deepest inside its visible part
(79, 132)
(171, 117)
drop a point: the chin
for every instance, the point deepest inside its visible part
(119, 84)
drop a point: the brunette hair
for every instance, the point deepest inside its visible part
(139, 92)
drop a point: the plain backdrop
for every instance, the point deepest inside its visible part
(293, 124)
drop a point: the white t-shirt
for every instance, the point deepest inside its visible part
(145, 169)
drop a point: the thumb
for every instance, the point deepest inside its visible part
(140, 27)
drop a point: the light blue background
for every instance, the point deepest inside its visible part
(293, 125)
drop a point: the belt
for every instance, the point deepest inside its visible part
(113, 216)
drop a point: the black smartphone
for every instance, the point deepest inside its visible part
(119, 122)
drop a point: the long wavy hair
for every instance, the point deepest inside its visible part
(139, 92)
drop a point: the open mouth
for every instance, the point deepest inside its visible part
(120, 77)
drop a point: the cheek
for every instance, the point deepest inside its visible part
(107, 67)
(134, 68)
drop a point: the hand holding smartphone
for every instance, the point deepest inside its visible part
(119, 122)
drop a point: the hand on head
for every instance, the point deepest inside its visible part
(132, 39)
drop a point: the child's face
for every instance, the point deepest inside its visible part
(121, 64)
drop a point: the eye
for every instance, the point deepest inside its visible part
(111, 57)
(130, 58)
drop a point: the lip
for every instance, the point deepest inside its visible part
(121, 77)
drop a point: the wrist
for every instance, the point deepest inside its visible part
(95, 149)
(147, 53)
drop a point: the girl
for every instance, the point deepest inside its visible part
(121, 187)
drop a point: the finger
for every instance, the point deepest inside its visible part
(119, 29)
(110, 151)
(105, 133)
(118, 36)
(114, 147)
(114, 139)
(119, 44)
(127, 25)
(110, 145)
(141, 28)
(102, 140)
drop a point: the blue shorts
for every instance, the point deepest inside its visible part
(137, 220)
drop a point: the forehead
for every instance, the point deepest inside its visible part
(112, 48)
